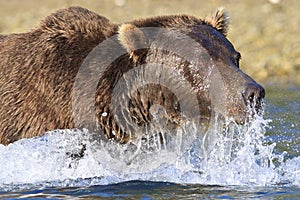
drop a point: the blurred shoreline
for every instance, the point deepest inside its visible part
(266, 32)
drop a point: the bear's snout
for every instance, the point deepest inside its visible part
(253, 95)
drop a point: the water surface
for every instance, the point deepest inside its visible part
(264, 162)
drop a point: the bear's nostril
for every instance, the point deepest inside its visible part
(253, 96)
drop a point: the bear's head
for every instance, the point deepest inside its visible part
(172, 69)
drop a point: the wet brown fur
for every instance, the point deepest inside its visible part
(37, 69)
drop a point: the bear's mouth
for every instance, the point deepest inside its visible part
(246, 112)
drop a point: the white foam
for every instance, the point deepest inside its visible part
(238, 157)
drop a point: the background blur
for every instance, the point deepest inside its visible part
(266, 32)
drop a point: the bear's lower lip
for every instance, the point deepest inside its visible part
(249, 113)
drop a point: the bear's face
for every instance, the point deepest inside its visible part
(231, 92)
(211, 67)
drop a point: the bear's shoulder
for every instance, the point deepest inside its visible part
(74, 21)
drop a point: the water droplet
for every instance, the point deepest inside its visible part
(104, 114)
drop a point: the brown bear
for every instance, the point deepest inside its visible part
(39, 71)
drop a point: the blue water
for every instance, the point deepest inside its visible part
(161, 190)
(263, 163)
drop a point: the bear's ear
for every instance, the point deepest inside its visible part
(132, 39)
(219, 21)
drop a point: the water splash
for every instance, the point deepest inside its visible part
(238, 156)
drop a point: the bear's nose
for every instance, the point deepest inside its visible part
(253, 95)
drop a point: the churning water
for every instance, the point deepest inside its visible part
(255, 155)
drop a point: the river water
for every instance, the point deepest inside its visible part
(262, 161)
